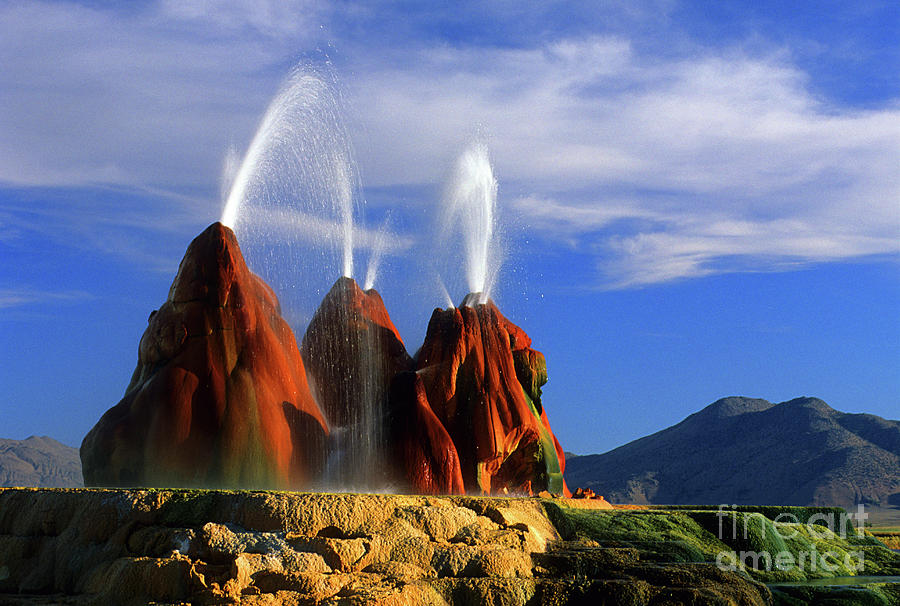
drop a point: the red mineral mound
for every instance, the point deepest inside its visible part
(219, 397)
(483, 380)
(352, 351)
(424, 457)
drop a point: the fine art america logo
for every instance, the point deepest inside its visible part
(753, 529)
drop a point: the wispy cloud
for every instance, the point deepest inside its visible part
(273, 19)
(717, 162)
(702, 247)
(27, 297)
(147, 227)
(664, 164)
(283, 225)
(138, 95)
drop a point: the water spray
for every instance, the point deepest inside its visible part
(470, 206)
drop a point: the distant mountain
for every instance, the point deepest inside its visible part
(39, 462)
(750, 451)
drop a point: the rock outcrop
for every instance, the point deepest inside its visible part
(86, 547)
(219, 397)
(483, 382)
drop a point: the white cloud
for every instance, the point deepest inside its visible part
(663, 166)
(730, 163)
(284, 225)
(567, 220)
(702, 247)
(133, 98)
(273, 18)
(19, 297)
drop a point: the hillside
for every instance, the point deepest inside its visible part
(750, 451)
(40, 462)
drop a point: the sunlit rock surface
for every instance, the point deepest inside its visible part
(219, 397)
(102, 547)
(483, 380)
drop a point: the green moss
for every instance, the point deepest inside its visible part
(832, 517)
(741, 531)
(196, 505)
(547, 454)
(672, 536)
(824, 595)
(784, 551)
(745, 540)
(851, 555)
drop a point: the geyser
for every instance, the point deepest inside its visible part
(298, 178)
(470, 211)
(378, 248)
(223, 397)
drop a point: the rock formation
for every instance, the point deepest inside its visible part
(483, 381)
(354, 355)
(409, 432)
(92, 547)
(424, 457)
(223, 397)
(352, 351)
(219, 397)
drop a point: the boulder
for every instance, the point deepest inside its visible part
(219, 397)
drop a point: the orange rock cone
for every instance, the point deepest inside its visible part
(219, 397)
(363, 378)
(482, 380)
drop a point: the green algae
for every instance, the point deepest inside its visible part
(880, 594)
(744, 539)
(673, 535)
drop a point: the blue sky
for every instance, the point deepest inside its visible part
(697, 199)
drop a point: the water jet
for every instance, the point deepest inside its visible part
(223, 396)
(470, 213)
(294, 197)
